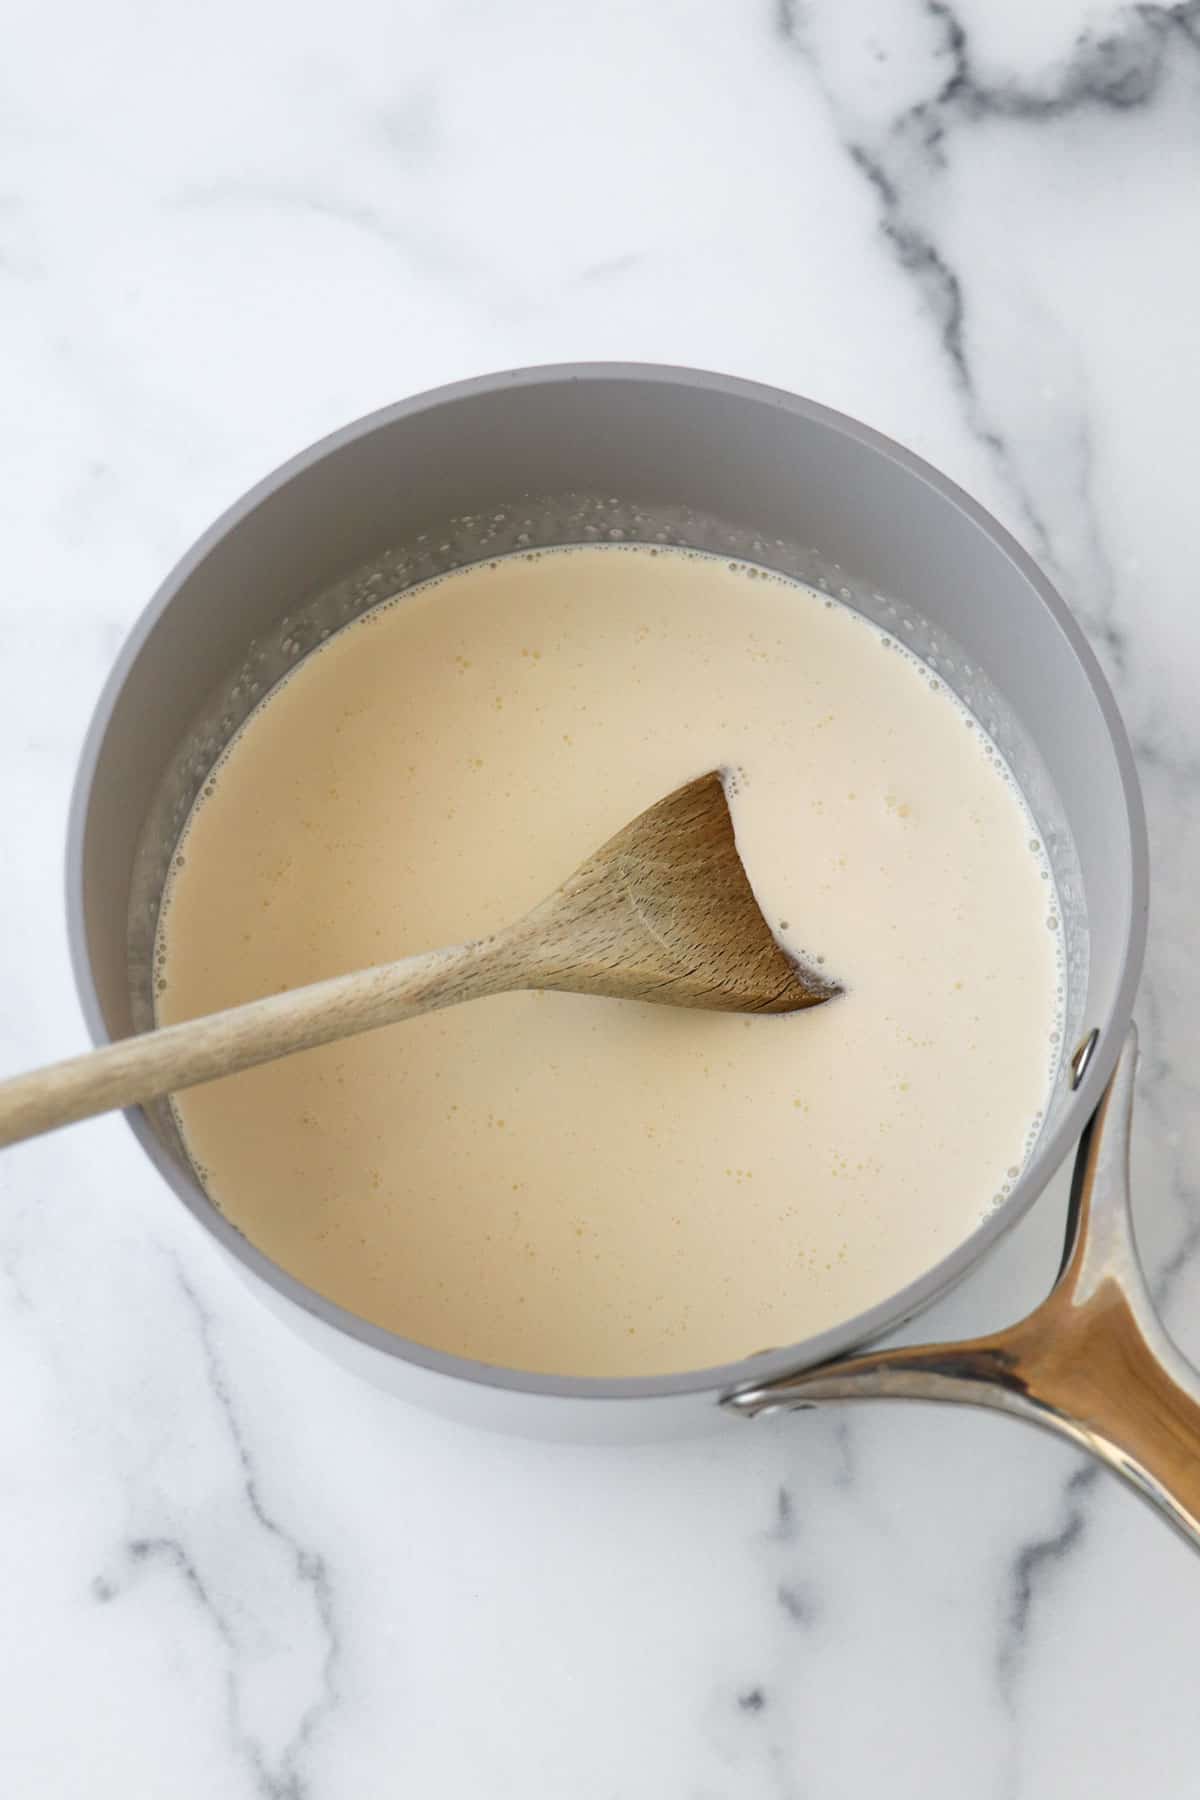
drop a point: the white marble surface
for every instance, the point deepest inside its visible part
(226, 1567)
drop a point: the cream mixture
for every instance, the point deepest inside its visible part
(596, 1187)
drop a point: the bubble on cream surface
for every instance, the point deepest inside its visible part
(593, 1187)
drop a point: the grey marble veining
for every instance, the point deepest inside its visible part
(227, 1567)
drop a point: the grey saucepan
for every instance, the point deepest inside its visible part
(570, 454)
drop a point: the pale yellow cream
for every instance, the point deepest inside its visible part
(586, 1186)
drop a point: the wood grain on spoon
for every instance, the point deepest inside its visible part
(662, 912)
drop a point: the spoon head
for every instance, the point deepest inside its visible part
(665, 912)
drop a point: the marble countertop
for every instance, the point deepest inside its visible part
(227, 1567)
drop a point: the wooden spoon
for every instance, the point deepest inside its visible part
(662, 912)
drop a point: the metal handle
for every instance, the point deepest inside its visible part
(1092, 1362)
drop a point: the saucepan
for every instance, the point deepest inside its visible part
(573, 454)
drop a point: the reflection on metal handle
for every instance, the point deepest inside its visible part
(1092, 1362)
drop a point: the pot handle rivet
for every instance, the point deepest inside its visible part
(1084, 1052)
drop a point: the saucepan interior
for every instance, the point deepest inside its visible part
(508, 463)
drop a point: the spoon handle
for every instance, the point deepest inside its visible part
(180, 1056)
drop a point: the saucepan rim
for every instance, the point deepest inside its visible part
(862, 1328)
